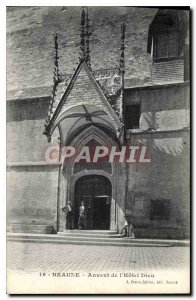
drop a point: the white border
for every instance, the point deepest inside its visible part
(3, 97)
(99, 3)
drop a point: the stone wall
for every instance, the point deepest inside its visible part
(167, 176)
(162, 107)
(32, 186)
(32, 195)
(30, 43)
(25, 127)
(32, 190)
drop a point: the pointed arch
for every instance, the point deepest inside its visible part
(82, 85)
(90, 133)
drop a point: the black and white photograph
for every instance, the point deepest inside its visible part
(98, 149)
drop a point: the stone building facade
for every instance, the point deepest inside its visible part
(115, 97)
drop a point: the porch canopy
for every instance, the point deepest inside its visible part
(76, 119)
(80, 104)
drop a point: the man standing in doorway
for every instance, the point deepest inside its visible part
(68, 210)
(82, 216)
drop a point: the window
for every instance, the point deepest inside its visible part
(166, 45)
(132, 116)
(167, 33)
(160, 210)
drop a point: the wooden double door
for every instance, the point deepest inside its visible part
(95, 191)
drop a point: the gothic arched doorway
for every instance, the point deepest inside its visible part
(95, 191)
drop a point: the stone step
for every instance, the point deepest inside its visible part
(74, 239)
(89, 233)
(106, 232)
(93, 243)
(52, 238)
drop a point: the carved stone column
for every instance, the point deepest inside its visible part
(113, 214)
(62, 200)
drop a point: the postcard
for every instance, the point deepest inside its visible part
(98, 150)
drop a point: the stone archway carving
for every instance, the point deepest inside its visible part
(67, 178)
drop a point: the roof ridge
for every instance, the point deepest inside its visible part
(54, 111)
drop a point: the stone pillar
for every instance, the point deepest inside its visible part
(62, 200)
(113, 214)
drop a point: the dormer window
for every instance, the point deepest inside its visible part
(167, 34)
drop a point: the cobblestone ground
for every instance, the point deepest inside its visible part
(43, 257)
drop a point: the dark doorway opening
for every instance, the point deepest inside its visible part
(95, 191)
